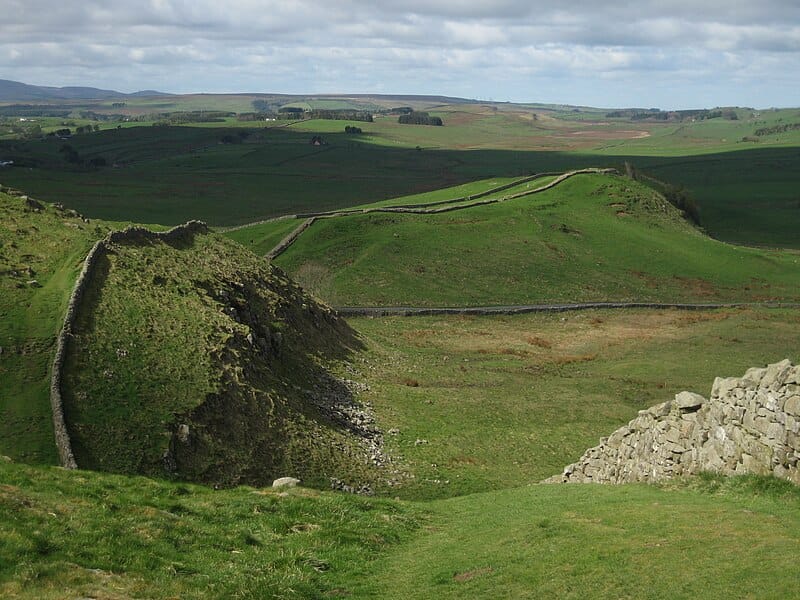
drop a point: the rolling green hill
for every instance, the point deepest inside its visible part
(195, 359)
(591, 238)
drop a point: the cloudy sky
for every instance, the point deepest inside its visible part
(660, 53)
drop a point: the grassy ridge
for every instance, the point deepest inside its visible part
(591, 238)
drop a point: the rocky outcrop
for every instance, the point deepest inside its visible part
(748, 425)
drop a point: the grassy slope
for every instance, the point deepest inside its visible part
(52, 244)
(162, 340)
(84, 534)
(591, 238)
(263, 237)
(726, 539)
(93, 535)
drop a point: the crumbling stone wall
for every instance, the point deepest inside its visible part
(748, 425)
(86, 276)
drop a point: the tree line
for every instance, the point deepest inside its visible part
(419, 118)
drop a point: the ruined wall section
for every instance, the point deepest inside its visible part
(748, 425)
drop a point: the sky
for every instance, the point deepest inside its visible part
(669, 54)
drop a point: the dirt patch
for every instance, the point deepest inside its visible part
(697, 286)
(606, 134)
(467, 575)
(534, 340)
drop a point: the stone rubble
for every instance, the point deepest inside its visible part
(748, 425)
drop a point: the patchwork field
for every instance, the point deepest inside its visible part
(234, 172)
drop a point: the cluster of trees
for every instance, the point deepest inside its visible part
(352, 129)
(87, 128)
(340, 115)
(419, 118)
(194, 116)
(94, 116)
(777, 129)
(656, 114)
(253, 116)
(71, 156)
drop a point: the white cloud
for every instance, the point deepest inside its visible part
(523, 50)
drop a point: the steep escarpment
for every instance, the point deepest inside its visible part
(190, 357)
(748, 425)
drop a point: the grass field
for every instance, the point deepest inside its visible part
(745, 183)
(505, 401)
(591, 238)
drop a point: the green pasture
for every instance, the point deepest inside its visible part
(457, 395)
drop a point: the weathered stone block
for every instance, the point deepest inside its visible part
(776, 374)
(752, 377)
(792, 406)
(723, 386)
(688, 400)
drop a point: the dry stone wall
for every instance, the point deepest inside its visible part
(85, 278)
(748, 425)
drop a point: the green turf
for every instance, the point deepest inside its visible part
(41, 252)
(263, 237)
(729, 539)
(83, 534)
(92, 535)
(591, 238)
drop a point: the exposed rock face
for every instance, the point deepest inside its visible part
(749, 425)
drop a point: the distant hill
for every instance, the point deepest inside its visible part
(15, 91)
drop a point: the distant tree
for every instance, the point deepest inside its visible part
(70, 154)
